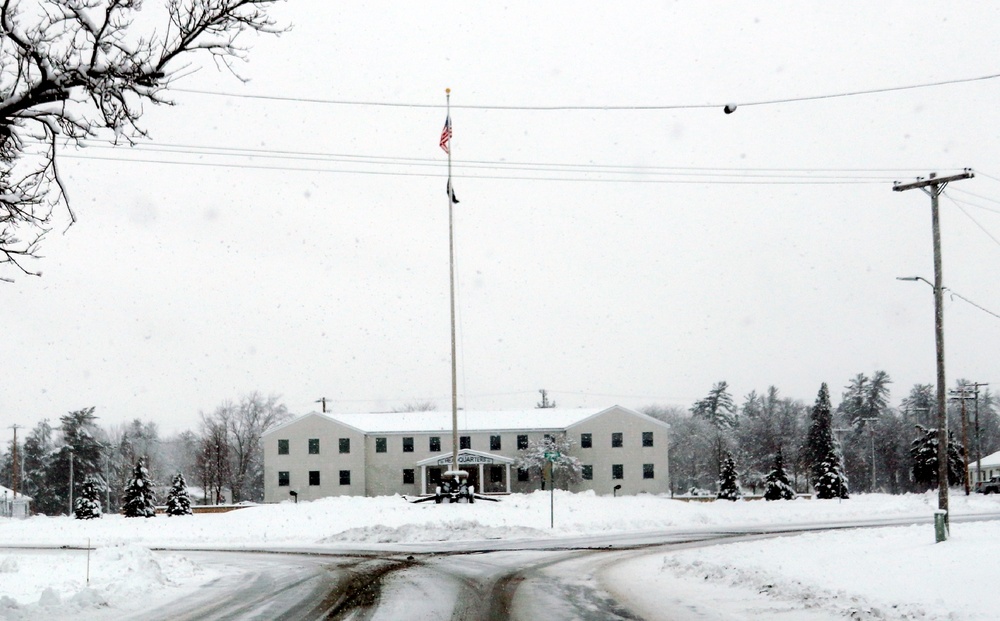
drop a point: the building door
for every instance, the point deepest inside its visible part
(495, 481)
(433, 479)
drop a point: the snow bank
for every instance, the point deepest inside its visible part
(392, 519)
(36, 584)
(888, 574)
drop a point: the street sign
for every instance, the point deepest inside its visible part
(552, 455)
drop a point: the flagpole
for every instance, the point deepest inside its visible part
(451, 271)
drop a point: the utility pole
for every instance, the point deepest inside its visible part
(960, 395)
(14, 472)
(323, 401)
(871, 434)
(933, 186)
(979, 448)
(70, 482)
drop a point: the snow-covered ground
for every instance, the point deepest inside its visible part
(892, 573)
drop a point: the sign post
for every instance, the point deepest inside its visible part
(552, 457)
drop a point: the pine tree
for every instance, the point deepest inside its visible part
(776, 485)
(87, 505)
(139, 499)
(178, 501)
(821, 452)
(924, 451)
(729, 485)
(717, 408)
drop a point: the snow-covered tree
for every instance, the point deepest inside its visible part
(139, 499)
(178, 501)
(729, 483)
(776, 485)
(865, 398)
(79, 443)
(79, 69)
(34, 459)
(566, 469)
(768, 423)
(87, 505)
(924, 452)
(717, 408)
(821, 452)
(920, 406)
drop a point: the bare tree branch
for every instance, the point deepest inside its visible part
(78, 69)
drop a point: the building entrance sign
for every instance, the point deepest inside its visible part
(467, 458)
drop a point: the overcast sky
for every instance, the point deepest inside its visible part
(186, 284)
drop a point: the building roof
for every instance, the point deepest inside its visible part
(535, 419)
(990, 461)
(9, 494)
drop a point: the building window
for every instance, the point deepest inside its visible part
(282, 447)
(647, 438)
(435, 444)
(586, 440)
(434, 475)
(465, 442)
(522, 443)
(345, 445)
(494, 443)
(616, 440)
(496, 474)
(345, 477)
(522, 474)
(314, 477)
(314, 446)
(407, 476)
(381, 445)
(407, 445)
(617, 471)
(283, 478)
(588, 473)
(647, 471)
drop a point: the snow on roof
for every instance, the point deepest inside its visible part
(468, 420)
(990, 461)
(545, 418)
(6, 492)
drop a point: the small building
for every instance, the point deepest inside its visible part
(990, 468)
(14, 506)
(375, 454)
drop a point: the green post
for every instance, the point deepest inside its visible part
(940, 526)
(551, 457)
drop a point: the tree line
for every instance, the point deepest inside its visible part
(223, 458)
(835, 451)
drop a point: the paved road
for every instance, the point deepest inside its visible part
(462, 581)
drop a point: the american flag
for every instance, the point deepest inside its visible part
(446, 135)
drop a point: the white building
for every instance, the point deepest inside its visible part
(369, 454)
(990, 468)
(14, 506)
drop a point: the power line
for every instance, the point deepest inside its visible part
(977, 206)
(962, 297)
(974, 221)
(604, 107)
(988, 176)
(985, 198)
(784, 173)
(736, 180)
